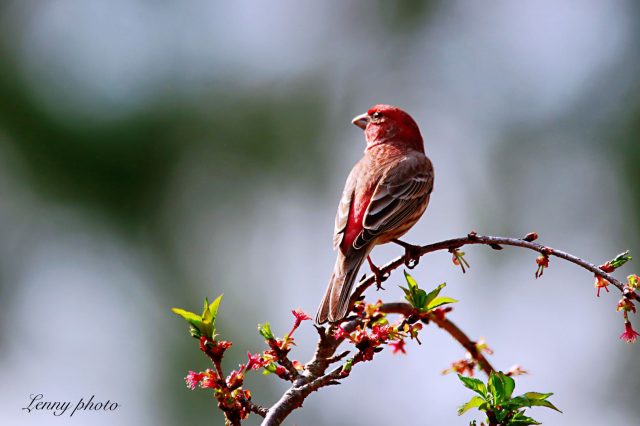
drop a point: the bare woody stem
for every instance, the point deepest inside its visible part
(257, 409)
(494, 242)
(315, 376)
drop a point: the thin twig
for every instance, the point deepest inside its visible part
(314, 376)
(258, 409)
(472, 238)
(448, 326)
(284, 361)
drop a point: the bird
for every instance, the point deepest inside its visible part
(385, 194)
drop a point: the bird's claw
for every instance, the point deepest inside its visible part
(380, 278)
(378, 275)
(411, 254)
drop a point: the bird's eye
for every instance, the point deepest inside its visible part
(376, 115)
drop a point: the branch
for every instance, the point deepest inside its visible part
(494, 242)
(327, 345)
(258, 409)
(284, 360)
(235, 401)
(295, 396)
(315, 377)
(448, 326)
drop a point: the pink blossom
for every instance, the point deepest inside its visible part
(398, 346)
(629, 335)
(193, 379)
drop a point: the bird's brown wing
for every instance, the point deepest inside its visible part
(342, 215)
(402, 191)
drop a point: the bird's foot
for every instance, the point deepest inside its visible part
(378, 274)
(411, 253)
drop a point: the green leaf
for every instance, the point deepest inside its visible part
(517, 403)
(347, 365)
(540, 400)
(193, 319)
(474, 402)
(270, 368)
(439, 301)
(501, 387)
(206, 315)
(265, 331)
(523, 421)
(532, 399)
(496, 387)
(213, 309)
(195, 332)
(621, 259)
(509, 385)
(519, 419)
(410, 280)
(414, 294)
(202, 324)
(433, 294)
(537, 395)
(475, 385)
(419, 298)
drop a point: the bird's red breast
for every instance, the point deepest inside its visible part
(356, 215)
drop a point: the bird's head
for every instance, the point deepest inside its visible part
(389, 124)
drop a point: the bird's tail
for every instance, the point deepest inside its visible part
(335, 303)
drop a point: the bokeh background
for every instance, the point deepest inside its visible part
(156, 152)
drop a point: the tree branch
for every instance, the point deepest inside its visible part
(258, 409)
(314, 377)
(494, 242)
(448, 326)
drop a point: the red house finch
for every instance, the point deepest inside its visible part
(385, 194)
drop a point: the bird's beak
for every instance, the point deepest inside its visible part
(361, 121)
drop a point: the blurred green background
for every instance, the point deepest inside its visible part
(153, 153)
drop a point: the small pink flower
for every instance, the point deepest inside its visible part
(601, 283)
(255, 362)
(398, 346)
(223, 344)
(626, 305)
(300, 315)
(413, 330)
(339, 333)
(629, 335)
(380, 333)
(359, 336)
(193, 379)
(210, 380)
(517, 370)
(482, 346)
(543, 262)
(236, 378)
(462, 366)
